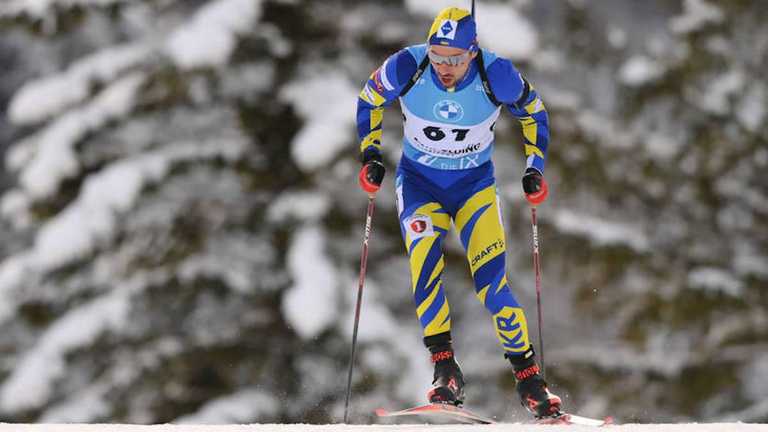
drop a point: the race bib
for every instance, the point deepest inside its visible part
(446, 140)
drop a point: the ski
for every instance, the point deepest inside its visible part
(452, 412)
(564, 418)
(444, 411)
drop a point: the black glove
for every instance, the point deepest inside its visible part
(532, 181)
(372, 174)
(534, 186)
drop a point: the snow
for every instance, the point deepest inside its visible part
(48, 157)
(80, 407)
(661, 146)
(236, 259)
(753, 413)
(751, 112)
(30, 384)
(696, 14)
(500, 27)
(429, 8)
(247, 80)
(301, 205)
(604, 130)
(309, 305)
(39, 8)
(640, 70)
(415, 427)
(601, 231)
(750, 261)
(92, 218)
(326, 100)
(13, 207)
(40, 99)
(12, 272)
(617, 37)
(756, 374)
(662, 356)
(235, 408)
(312, 304)
(505, 31)
(716, 280)
(379, 324)
(713, 94)
(209, 39)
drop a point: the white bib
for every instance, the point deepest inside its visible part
(445, 140)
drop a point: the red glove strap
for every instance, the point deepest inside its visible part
(537, 198)
(365, 184)
(442, 355)
(527, 372)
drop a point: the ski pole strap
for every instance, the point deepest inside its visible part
(527, 372)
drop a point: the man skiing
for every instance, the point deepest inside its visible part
(451, 94)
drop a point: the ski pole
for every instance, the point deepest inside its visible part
(363, 265)
(537, 271)
(473, 8)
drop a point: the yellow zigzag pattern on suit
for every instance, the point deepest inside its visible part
(530, 132)
(492, 231)
(371, 96)
(483, 293)
(530, 126)
(374, 137)
(418, 254)
(437, 326)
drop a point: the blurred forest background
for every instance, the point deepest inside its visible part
(181, 224)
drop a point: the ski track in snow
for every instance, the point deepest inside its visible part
(516, 427)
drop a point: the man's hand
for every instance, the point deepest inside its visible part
(534, 186)
(371, 175)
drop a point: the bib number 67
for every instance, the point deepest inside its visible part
(436, 134)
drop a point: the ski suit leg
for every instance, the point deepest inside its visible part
(481, 230)
(424, 224)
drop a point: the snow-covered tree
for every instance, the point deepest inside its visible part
(181, 231)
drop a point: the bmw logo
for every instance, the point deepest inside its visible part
(448, 110)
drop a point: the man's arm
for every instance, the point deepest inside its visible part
(382, 88)
(522, 100)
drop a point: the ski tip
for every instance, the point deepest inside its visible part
(381, 412)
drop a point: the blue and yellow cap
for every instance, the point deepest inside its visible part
(454, 27)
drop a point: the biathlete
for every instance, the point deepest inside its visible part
(451, 93)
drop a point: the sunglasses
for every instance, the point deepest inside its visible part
(453, 60)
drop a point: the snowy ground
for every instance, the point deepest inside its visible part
(712, 427)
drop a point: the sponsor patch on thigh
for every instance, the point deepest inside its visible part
(418, 226)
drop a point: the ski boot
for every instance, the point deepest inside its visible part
(532, 389)
(448, 382)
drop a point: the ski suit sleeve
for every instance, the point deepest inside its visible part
(522, 100)
(381, 89)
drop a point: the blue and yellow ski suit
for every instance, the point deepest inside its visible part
(446, 174)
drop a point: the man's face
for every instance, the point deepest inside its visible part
(451, 74)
